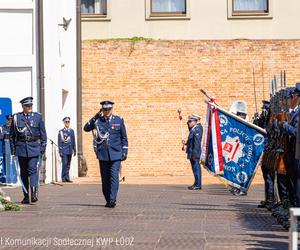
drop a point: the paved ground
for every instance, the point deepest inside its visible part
(147, 217)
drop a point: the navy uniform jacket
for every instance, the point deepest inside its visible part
(193, 148)
(66, 141)
(112, 142)
(28, 135)
(293, 125)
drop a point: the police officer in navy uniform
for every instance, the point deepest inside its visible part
(111, 149)
(193, 149)
(29, 140)
(268, 174)
(291, 129)
(67, 148)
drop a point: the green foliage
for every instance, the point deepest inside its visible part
(11, 206)
(132, 39)
(6, 205)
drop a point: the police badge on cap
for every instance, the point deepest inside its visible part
(107, 104)
(27, 101)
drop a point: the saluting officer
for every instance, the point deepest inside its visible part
(193, 149)
(29, 140)
(67, 148)
(111, 148)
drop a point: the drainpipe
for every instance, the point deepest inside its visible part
(41, 57)
(82, 167)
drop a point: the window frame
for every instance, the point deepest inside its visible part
(167, 15)
(96, 16)
(232, 14)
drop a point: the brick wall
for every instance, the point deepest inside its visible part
(149, 80)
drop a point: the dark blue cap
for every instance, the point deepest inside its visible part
(266, 104)
(107, 104)
(67, 118)
(27, 100)
(8, 117)
(297, 89)
(289, 92)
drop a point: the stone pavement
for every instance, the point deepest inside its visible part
(146, 217)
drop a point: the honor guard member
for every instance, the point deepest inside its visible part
(67, 148)
(292, 128)
(29, 140)
(112, 148)
(193, 149)
(5, 134)
(268, 175)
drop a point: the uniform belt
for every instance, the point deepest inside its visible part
(28, 138)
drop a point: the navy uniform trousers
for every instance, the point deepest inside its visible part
(66, 163)
(269, 177)
(110, 179)
(29, 172)
(196, 171)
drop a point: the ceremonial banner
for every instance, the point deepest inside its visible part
(232, 147)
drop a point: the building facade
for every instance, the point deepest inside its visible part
(38, 58)
(152, 57)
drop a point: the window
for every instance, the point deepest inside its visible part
(250, 9)
(95, 10)
(94, 7)
(250, 6)
(168, 7)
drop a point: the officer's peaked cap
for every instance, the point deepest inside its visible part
(193, 118)
(289, 92)
(297, 89)
(107, 104)
(26, 100)
(67, 118)
(266, 104)
(197, 116)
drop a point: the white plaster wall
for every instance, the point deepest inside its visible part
(208, 21)
(19, 63)
(60, 73)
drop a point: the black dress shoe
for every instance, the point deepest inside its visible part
(25, 200)
(112, 204)
(107, 204)
(240, 193)
(63, 180)
(69, 181)
(262, 204)
(34, 194)
(194, 188)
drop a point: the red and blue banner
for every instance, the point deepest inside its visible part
(232, 147)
